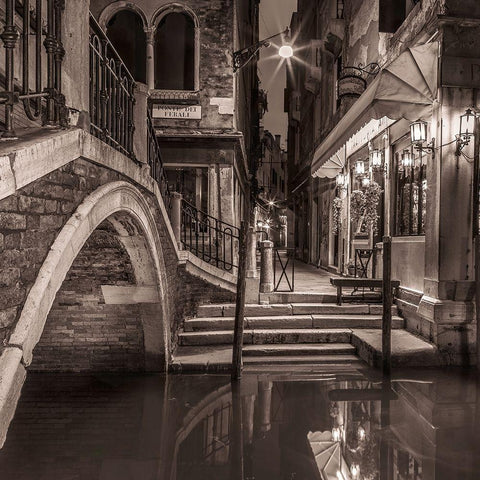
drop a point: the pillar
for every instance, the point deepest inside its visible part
(150, 70)
(140, 134)
(176, 212)
(266, 267)
(447, 303)
(76, 63)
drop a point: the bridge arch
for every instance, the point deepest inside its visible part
(128, 213)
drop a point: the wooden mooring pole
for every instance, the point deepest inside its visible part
(237, 361)
(387, 307)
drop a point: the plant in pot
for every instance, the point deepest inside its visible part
(351, 268)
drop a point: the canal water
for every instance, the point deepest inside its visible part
(330, 425)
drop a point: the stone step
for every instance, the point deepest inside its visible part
(303, 360)
(291, 321)
(299, 350)
(262, 336)
(254, 310)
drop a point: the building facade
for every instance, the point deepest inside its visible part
(205, 115)
(378, 67)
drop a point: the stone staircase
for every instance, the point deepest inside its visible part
(293, 333)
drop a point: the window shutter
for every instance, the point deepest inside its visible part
(391, 16)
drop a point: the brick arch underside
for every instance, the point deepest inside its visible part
(91, 325)
(112, 246)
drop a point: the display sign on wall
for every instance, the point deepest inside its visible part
(177, 112)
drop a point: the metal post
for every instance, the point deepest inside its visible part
(237, 362)
(387, 307)
(9, 37)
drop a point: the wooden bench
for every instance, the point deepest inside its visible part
(352, 282)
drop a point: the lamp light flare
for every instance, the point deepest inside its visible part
(285, 51)
(365, 182)
(355, 471)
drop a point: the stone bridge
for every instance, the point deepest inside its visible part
(91, 277)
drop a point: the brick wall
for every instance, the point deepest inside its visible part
(82, 333)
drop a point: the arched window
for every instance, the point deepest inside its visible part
(125, 31)
(175, 52)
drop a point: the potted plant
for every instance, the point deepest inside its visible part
(351, 268)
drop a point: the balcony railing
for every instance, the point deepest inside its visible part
(155, 161)
(208, 238)
(33, 57)
(111, 93)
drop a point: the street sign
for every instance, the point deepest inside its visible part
(177, 112)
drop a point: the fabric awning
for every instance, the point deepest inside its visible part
(406, 88)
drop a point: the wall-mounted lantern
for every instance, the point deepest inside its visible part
(467, 130)
(418, 135)
(376, 160)
(359, 168)
(407, 159)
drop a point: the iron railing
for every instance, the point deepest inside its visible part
(40, 102)
(157, 170)
(111, 93)
(208, 238)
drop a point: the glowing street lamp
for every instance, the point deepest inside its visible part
(359, 168)
(285, 51)
(245, 55)
(376, 160)
(407, 159)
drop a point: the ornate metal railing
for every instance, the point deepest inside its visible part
(155, 161)
(111, 93)
(40, 102)
(208, 238)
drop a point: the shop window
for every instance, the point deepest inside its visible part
(410, 192)
(125, 31)
(175, 52)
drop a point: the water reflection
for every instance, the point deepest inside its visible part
(345, 426)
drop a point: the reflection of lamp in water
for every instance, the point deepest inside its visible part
(336, 434)
(361, 433)
(355, 471)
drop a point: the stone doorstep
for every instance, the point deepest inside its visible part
(290, 322)
(408, 350)
(254, 310)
